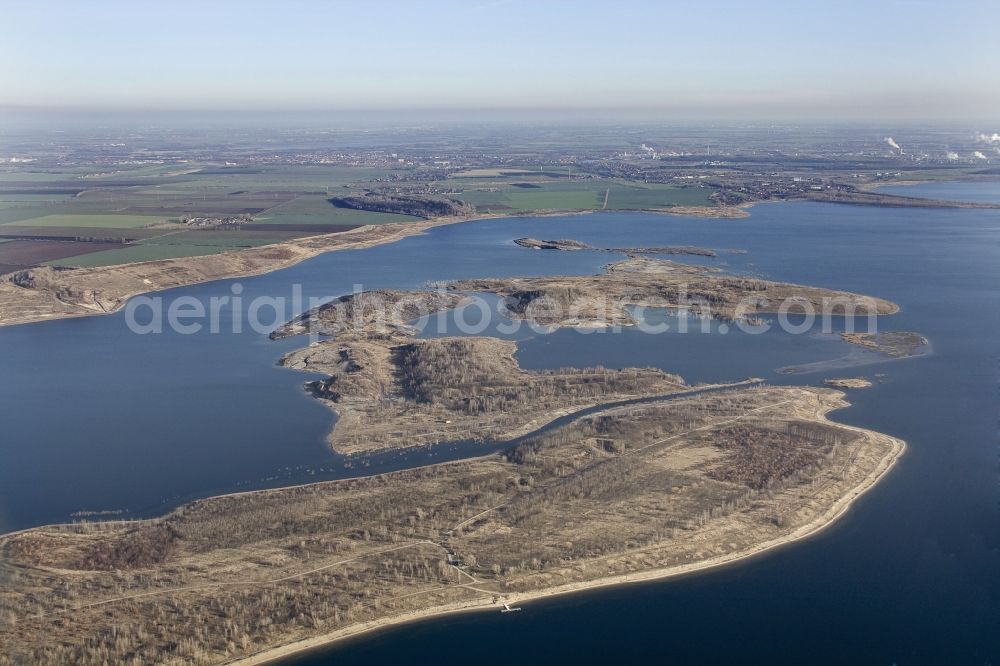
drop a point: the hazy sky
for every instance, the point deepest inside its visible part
(878, 59)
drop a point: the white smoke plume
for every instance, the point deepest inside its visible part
(952, 155)
(979, 155)
(988, 138)
(892, 144)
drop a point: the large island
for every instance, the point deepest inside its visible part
(642, 477)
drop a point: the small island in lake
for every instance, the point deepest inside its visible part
(848, 383)
(897, 344)
(605, 299)
(571, 245)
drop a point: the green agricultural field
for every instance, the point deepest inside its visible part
(172, 245)
(174, 202)
(135, 253)
(80, 213)
(222, 240)
(131, 196)
(88, 220)
(629, 197)
(316, 209)
(504, 196)
(10, 230)
(22, 200)
(554, 196)
(17, 214)
(25, 176)
(304, 178)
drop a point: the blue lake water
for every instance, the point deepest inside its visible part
(96, 418)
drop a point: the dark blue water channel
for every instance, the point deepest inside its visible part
(96, 418)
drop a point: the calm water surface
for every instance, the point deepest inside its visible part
(95, 418)
(985, 192)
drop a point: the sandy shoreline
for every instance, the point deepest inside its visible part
(301, 249)
(342, 241)
(812, 528)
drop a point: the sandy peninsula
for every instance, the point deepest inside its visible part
(44, 293)
(631, 493)
(814, 527)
